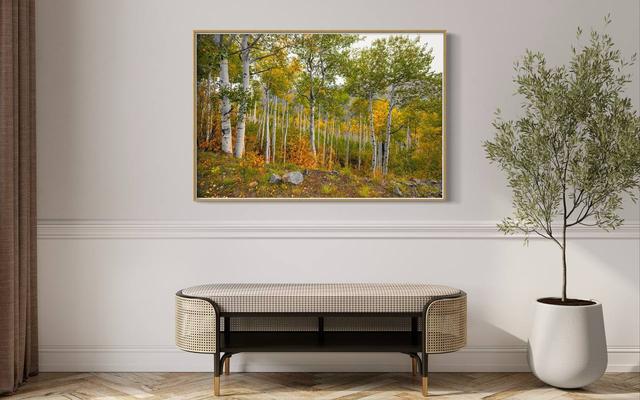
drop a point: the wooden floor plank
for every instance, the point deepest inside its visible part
(317, 386)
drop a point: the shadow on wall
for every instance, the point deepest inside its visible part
(479, 327)
(453, 188)
(604, 256)
(506, 352)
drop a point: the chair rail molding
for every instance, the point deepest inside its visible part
(173, 229)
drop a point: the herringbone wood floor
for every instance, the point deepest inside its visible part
(344, 386)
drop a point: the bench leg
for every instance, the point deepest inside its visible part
(416, 364)
(216, 374)
(227, 366)
(425, 374)
(224, 363)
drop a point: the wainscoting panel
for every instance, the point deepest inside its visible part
(120, 232)
(106, 287)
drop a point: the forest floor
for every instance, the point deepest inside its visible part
(222, 176)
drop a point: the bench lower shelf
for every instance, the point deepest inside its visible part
(239, 342)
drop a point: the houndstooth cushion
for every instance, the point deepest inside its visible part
(321, 297)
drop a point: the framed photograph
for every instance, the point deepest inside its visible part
(319, 115)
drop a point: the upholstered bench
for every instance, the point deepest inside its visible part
(414, 319)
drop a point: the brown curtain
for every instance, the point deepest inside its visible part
(18, 313)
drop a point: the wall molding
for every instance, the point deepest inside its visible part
(170, 359)
(133, 229)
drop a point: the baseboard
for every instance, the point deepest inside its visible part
(169, 359)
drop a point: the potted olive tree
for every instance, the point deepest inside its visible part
(570, 158)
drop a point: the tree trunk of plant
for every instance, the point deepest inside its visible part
(206, 109)
(286, 130)
(299, 115)
(242, 111)
(275, 128)
(324, 140)
(267, 134)
(263, 118)
(301, 123)
(372, 132)
(331, 138)
(564, 262)
(387, 145)
(312, 123)
(359, 141)
(255, 111)
(348, 137)
(225, 112)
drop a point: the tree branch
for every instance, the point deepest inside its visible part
(273, 53)
(528, 231)
(576, 202)
(581, 217)
(264, 70)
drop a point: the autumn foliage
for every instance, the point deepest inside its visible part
(368, 111)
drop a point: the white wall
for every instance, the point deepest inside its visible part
(119, 232)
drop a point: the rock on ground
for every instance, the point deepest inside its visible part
(294, 177)
(275, 178)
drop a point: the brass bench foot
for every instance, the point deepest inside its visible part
(227, 367)
(216, 386)
(425, 386)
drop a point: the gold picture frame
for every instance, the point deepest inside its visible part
(445, 193)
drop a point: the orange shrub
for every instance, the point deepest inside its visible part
(209, 145)
(253, 159)
(299, 153)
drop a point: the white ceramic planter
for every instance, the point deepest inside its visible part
(567, 347)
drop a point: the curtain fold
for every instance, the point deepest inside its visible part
(18, 302)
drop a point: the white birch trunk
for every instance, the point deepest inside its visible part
(225, 110)
(204, 114)
(267, 136)
(242, 111)
(359, 141)
(324, 140)
(275, 128)
(210, 124)
(372, 132)
(255, 112)
(312, 125)
(286, 130)
(387, 146)
(331, 137)
(348, 137)
(282, 115)
(263, 116)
